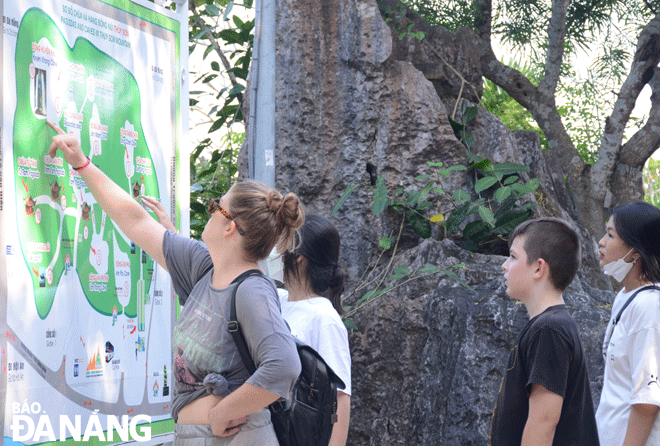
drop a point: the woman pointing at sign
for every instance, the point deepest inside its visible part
(212, 386)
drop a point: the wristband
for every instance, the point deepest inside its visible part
(78, 169)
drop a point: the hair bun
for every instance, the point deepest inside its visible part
(274, 200)
(289, 212)
(265, 217)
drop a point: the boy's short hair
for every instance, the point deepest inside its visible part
(554, 241)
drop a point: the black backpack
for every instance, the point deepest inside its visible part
(308, 420)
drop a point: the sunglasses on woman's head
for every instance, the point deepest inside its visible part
(214, 205)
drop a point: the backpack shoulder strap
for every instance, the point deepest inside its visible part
(630, 299)
(235, 327)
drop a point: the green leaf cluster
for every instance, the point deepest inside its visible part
(497, 209)
(397, 16)
(451, 14)
(219, 30)
(211, 177)
(237, 40)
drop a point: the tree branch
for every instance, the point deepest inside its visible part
(646, 141)
(483, 18)
(512, 81)
(555, 53)
(540, 104)
(644, 63)
(216, 46)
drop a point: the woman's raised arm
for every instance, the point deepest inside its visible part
(121, 207)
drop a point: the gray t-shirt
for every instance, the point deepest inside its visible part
(206, 358)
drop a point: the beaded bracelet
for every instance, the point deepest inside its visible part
(78, 169)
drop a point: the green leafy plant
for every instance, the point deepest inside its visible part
(397, 17)
(221, 35)
(211, 176)
(452, 14)
(230, 39)
(495, 211)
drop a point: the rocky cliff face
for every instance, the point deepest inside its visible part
(355, 102)
(347, 112)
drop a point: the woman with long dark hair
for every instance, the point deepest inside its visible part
(312, 306)
(630, 400)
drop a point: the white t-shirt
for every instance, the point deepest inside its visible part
(316, 323)
(632, 366)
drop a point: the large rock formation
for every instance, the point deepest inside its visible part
(355, 102)
(347, 112)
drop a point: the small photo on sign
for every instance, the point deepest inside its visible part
(39, 92)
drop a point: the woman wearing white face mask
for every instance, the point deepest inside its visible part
(630, 400)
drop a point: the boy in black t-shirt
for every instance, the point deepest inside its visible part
(544, 397)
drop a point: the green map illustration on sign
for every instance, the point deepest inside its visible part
(62, 229)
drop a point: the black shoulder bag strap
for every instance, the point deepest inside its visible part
(618, 316)
(630, 299)
(235, 327)
(236, 333)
